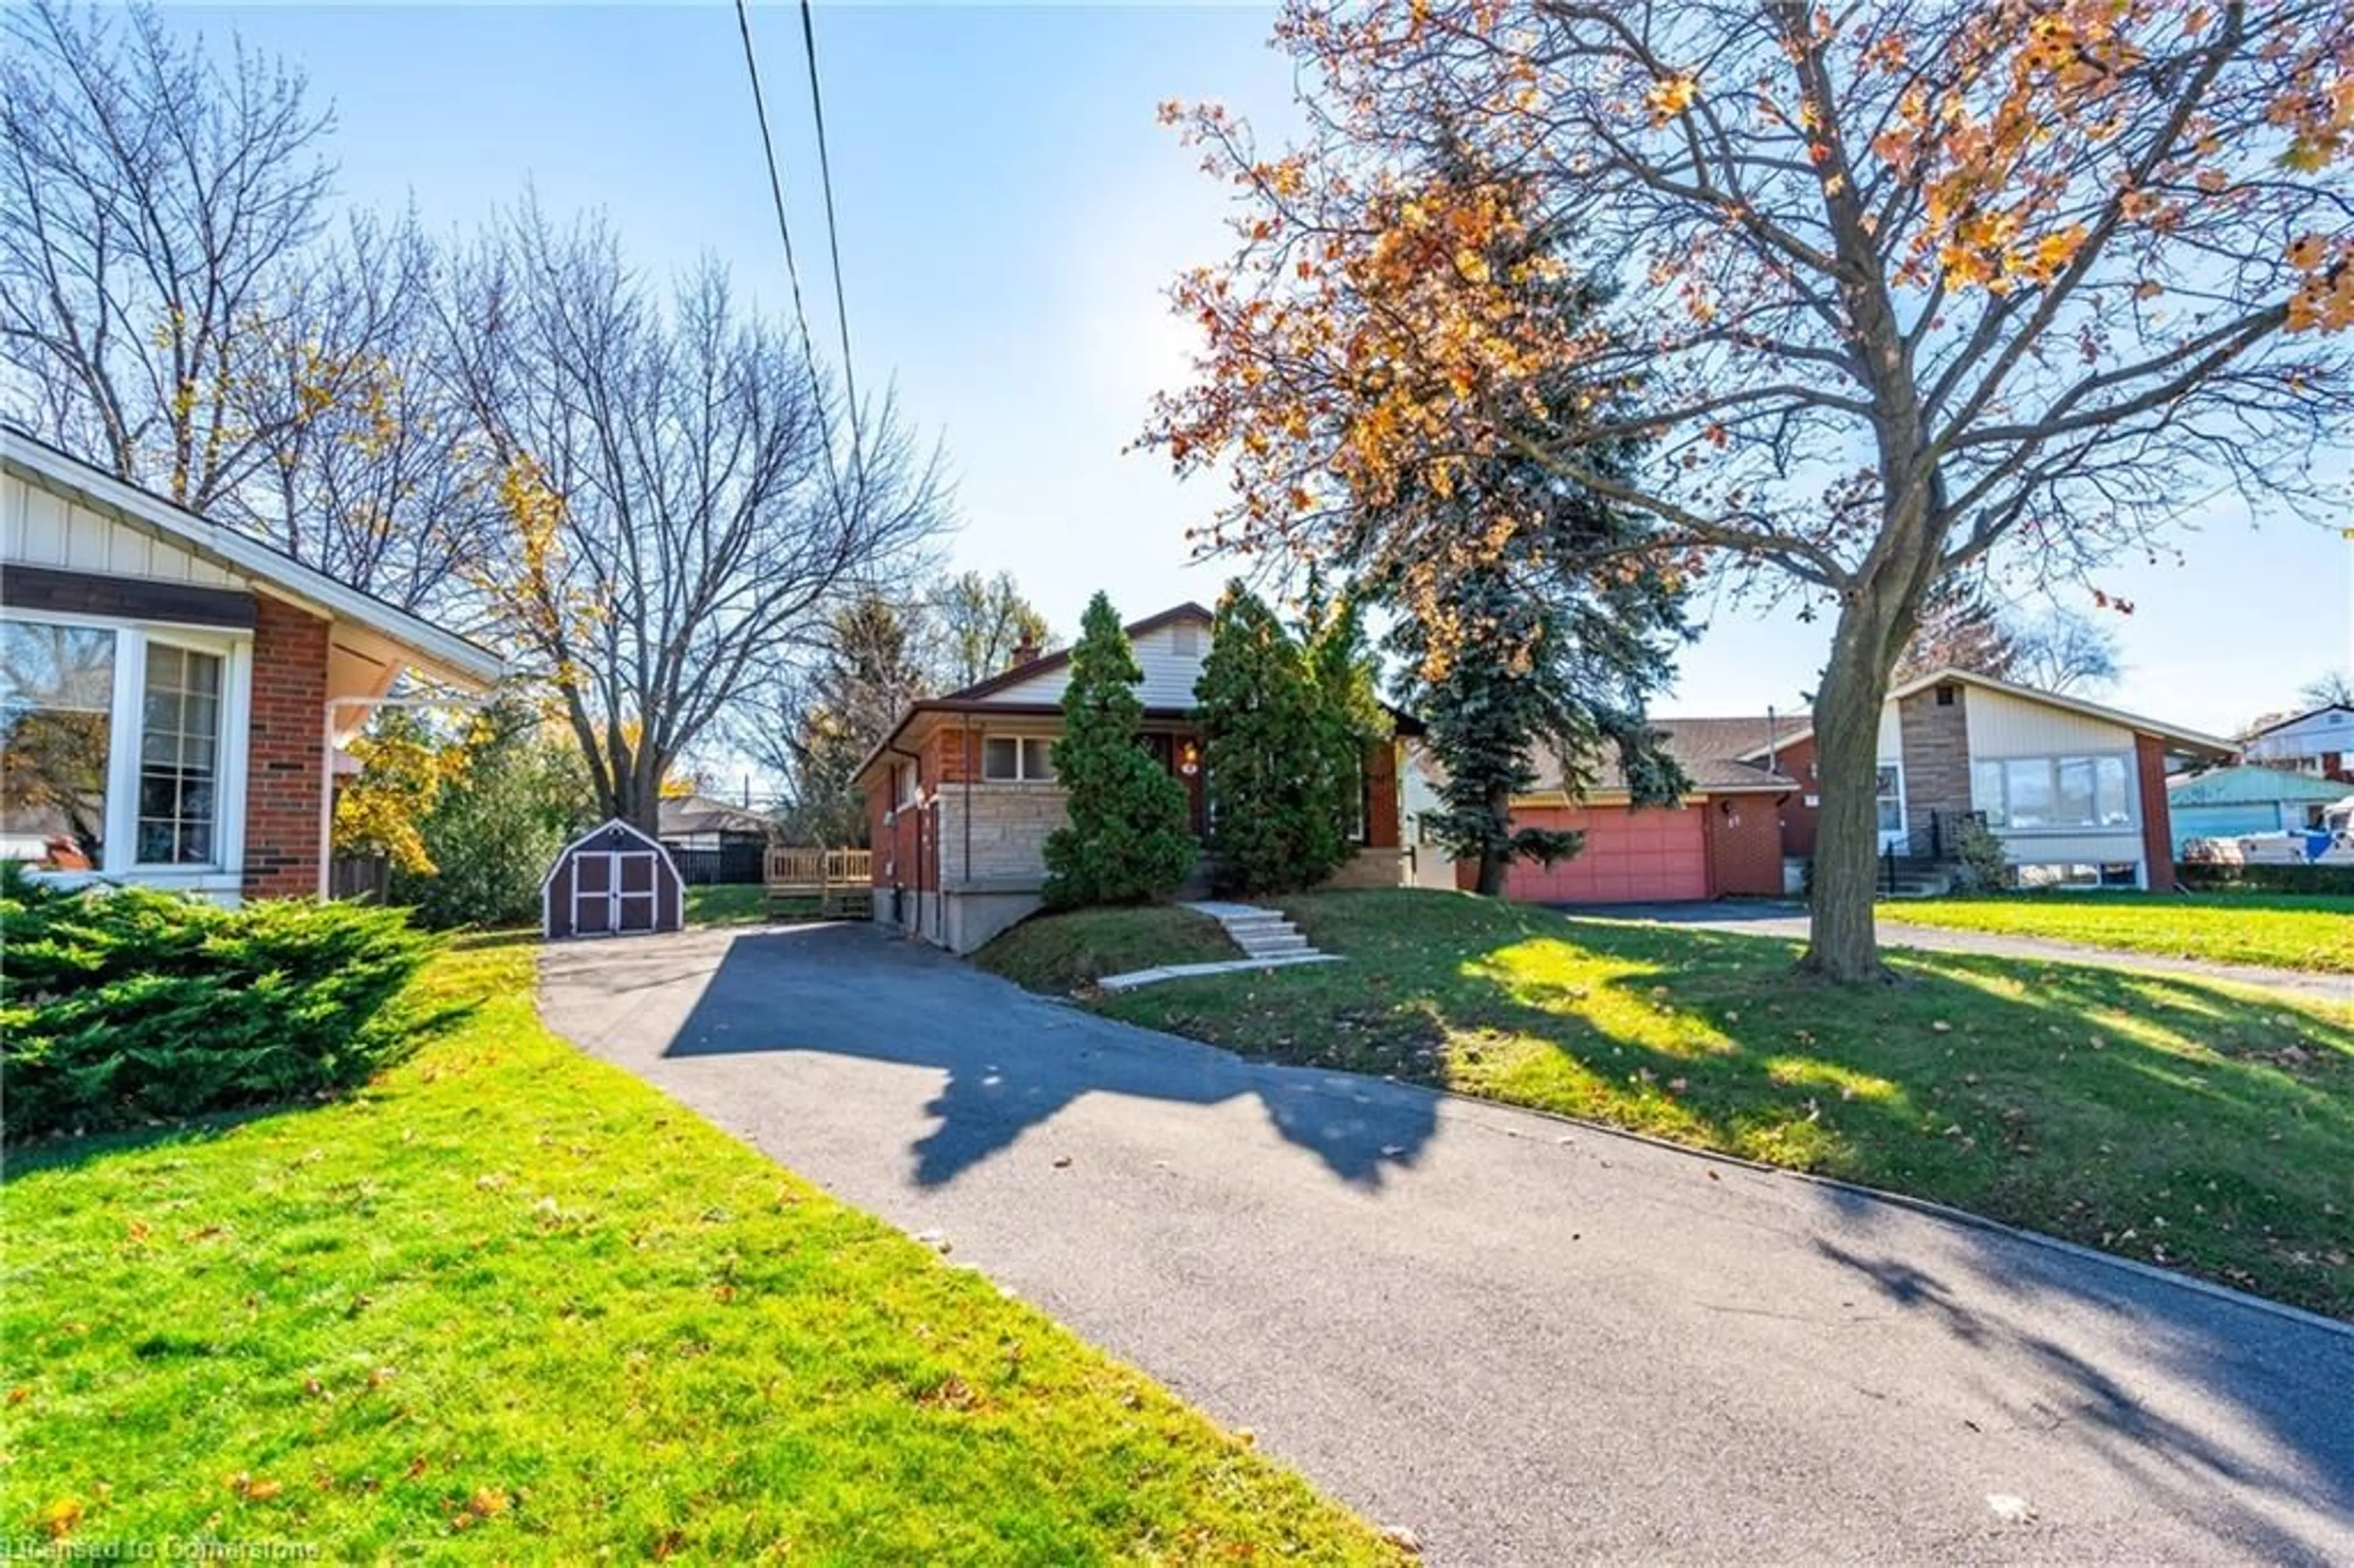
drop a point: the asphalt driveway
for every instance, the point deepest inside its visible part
(1522, 1339)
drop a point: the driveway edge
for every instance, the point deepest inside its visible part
(1928, 1206)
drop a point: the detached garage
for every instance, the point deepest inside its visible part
(613, 881)
(1650, 854)
(1724, 838)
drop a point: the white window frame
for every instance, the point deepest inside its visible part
(1901, 834)
(2052, 762)
(1022, 744)
(126, 720)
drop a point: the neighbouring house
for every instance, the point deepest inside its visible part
(2319, 743)
(2076, 792)
(2231, 802)
(712, 841)
(1723, 839)
(961, 794)
(173, 693)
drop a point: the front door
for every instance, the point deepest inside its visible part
(1890, 806)
(1182, 755)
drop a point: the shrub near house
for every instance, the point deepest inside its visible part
(124, 1005)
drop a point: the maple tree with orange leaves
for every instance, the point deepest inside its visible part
(1889, 288)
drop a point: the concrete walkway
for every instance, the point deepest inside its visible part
(1762, 918)
(1526, 1340)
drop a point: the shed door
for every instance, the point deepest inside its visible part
(615, 893)
(593, 893)
(637, 891)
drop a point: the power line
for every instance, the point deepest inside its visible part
(785, 232)
(832, 229)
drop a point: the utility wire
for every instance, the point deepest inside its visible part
(832, 229)
(785, 232)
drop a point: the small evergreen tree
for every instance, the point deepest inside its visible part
(1350, 714)
(1125, 841)
(1279, 802)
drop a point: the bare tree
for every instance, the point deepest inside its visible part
(2330, 689)
(1964, 627)
(2065, 650)
(155, 200)
(371, 472)
(979, 621)
(678, 523)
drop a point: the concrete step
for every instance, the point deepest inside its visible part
(1275, 948)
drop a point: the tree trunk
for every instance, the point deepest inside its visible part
(1494, 863)
(1841, 945)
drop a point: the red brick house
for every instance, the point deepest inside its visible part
(961, 794)
(2075, 791)
(172, 693)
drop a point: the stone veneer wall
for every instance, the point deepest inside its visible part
(1010, 824)
(1937, 741)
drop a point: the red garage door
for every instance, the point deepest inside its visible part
(1652, 856)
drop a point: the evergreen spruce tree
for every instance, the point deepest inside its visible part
(1279, 809)
(1125, 841)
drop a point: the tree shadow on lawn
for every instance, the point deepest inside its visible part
(2156, 1116)
(2152, 1115)
(1008, 1061)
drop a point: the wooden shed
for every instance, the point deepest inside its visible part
(612, 881)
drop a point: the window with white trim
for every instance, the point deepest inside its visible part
(2053, 794)
(115, 747)
(1016, 760)
(56, 719)
(1888, 798)
(179, 756)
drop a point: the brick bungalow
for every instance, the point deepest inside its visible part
(960, 795)
(2075, 791)
(172, 693)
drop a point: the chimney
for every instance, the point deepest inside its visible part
(1024, 652)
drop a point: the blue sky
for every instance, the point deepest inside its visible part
(1010, 212)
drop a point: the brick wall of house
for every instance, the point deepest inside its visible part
(1796, 761)
(285, 767)
(2156, 822)
(1937, 740)
(900, 839)
(1744, 846)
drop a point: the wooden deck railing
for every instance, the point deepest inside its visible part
(841, 881)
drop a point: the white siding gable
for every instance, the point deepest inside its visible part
(39, 527)
(2332, 730)
(2005, 726)
(1170, 655)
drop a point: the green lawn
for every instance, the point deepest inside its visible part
(2288, 931)
(1061, 953)
(512, 1304)
(727, 903)
(2199, 1126)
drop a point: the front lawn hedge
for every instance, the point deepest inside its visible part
(120, 1005)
